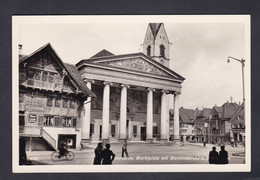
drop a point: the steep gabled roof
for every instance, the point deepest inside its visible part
(240, 111)
(77, 77)
(103, 53)
(187, 115)
(155, 28)
(205, 113)
(71, 69)
(229, 110)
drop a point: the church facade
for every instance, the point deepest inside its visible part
(134, 93)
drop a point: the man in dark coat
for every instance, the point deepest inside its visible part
(223, 156)
(107, 155)
(213, 156)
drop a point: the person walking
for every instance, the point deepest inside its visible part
(124, 148)
(107, 155)
(213, 156)
(223, 156)
(98, 154)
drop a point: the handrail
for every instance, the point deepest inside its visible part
(48, 138)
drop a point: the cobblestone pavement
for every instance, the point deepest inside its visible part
(145, 153)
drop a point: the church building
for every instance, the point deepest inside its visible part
(134, 92)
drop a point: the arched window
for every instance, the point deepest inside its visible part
(148, 51)
(162, 51)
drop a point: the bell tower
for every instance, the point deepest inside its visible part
(156, 43)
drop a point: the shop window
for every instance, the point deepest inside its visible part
(49, 101)
(113, 130)
(48, 121)
(65, 103)
(57, 102)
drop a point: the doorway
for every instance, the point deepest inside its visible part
(69, 139)
(143, 133)
(100, 132)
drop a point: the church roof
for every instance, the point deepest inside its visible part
(103, 53)
(99, 60)
(71, 69)
(155, 28)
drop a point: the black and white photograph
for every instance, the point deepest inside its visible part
(168, 93)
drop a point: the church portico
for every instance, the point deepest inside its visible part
(133, 94)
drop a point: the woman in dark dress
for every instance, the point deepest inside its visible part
(107, 155)
(98, 151)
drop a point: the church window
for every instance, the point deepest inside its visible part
(149, 51)
(162, 48)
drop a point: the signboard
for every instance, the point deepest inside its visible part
(32, 118)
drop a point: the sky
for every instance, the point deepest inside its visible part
(199, 48)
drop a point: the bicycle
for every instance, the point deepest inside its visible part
(55, 156)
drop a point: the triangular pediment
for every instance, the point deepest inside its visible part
(140, 64)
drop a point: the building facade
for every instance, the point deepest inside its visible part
(133, 92)
(201, 125)
(220, 124)
(237, 132)
(51, 97)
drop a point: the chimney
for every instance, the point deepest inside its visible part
(20, 46)
(231, 99)
(239, 103)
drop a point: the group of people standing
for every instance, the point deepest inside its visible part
(218, 158)
(106, 156)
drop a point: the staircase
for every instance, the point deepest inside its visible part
(50, 140)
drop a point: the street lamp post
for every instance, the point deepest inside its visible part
(242, 61)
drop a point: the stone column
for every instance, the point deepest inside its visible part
(87, 115)
(123, 112)
(163, 136)
(176, 123)
(149, 120)
(105, 110)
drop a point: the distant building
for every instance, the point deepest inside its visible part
(187, 118)
(219, 124)
(237, 132)
(201, 125)
(51, 97)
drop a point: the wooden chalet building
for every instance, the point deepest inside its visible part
(51, 97)
(219, 122)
